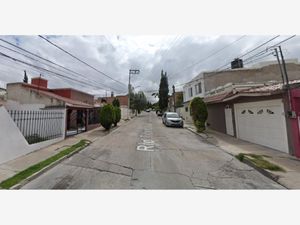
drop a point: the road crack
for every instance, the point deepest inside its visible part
(99, 170)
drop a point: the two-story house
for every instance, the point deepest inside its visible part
(193, 88)
(252, 104)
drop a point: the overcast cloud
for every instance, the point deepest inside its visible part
(116, 54)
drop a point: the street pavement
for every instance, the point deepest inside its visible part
(144, 154)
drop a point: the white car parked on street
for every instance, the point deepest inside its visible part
(172, 119)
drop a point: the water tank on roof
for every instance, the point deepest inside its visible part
(237, 63)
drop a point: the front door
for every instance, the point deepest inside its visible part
(228, 121)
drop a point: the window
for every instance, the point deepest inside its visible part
(186, 109)
(198, 88)
(191, 92)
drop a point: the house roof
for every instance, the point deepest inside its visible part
(68, 101)
(269, 88)
(266, 90)
(123, 99)
(262, 91)
(217, 98)
(72, 89)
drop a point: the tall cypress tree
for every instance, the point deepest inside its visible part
(163, 92)
(25, 79)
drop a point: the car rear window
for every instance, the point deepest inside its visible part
(172, 115)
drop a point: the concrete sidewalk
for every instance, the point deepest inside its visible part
(290, 179)
(10, 168)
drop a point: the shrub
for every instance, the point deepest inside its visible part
(116, 102)
(107, 115)
(117, 116)
(199, 113)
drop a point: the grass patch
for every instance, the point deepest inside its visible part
(259, 161)
(6, 184)
(32, 139)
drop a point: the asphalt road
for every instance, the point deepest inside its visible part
(144, 154)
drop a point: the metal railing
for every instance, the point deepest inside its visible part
(39, 125)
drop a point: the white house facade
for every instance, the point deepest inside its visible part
(192, 89)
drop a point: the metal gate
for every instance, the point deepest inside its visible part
(76, 121)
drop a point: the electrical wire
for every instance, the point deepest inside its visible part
(262, 54)
(75, 57)
(267, 48)
(49, 71)
(81, 75)
(266, 42)
(212, 54)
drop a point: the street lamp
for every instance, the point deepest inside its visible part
(131, 71)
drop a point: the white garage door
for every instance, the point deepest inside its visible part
(262, 123)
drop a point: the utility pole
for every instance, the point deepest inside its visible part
(284, 68)
(174, 97)
(131, 71)
(278, 60)
(290, 112)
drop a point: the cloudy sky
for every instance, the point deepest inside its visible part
(182, 56)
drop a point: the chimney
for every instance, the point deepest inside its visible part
(38, 81)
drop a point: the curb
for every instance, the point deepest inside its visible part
(45, 169)
(195, 132)
(262, 171)
(246, 161)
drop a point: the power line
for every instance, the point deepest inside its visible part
(212, 54)
(49, 71)
(72, 71)
(259, 46)
(259, 58)
(250, 51)
(65, 51)
(265, 51)
(262, 54)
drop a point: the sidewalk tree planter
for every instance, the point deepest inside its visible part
(199, 113)
(107, 115)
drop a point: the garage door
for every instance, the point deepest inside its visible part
(262, 123)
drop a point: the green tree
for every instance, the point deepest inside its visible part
(107, 116)
(155, 106)
(199, 113)
(163, 92)
(117, 117)
(116, 102)
(179, 99)
(149, 105)
(139, 102)
(25, 79)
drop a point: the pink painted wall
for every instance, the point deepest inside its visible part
(295, 122)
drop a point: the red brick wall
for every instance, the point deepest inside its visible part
(39, 82)
(63, 92)
(123, 99)
(83, 97)
(75, 95)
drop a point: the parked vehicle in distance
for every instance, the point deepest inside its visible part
(148, 110)
(172, 119)
(159, 113)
